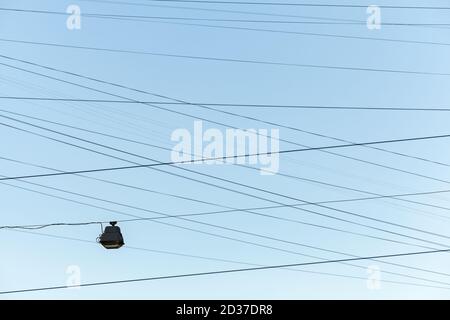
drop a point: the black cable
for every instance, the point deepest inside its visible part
(209, 9)
(244, 232)
(221, 179)
(220, 158)
(257, 235)
(321, 135)
(115, 16)
(272, 63)
(347, 157)
(229, 181)
(264, 246)
(240, 184)
(127, 247)
(251, 195)
(240, 105)
(240, 165)
(220, 227)
(322, 5)
(210, 121)
(231, 209)
(57, 224)
(215, 122)
(388, 256)
(195, 117)
(243, 263)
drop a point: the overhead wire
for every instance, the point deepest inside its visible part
(184, 114)
(234, 190)
(225, 237)
(243, 263)
(57, 224)
(259, 189)
(251, 195)
(244, 241)
(237, 105)
(259, 214)
(229, 271)
(219, 158)
(197, 117)
(252, 233)
(315, 181)
(233, 60)
(169, 18)
(297, 4)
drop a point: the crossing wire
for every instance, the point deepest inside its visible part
(216, 104)
(315, 181)
(259, 189)
(185, 114)
(229, 271)
(215, 122)
(250, 187)
(170, 18)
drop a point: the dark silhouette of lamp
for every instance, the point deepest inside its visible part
(111, 238)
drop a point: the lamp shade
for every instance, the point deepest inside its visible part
(111, 238)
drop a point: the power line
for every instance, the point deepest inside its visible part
(332, 5)
(362, 22)
(210, 176)
(240, 165)
(58, 224)
(244, 263)
(225, 180)
(321, 135)
(218, 158)
(301, 33)
(190, 199)
(220, 227)
(195, 117)
(216, 226)
(206, 9)
(115, 16)
(258, 214)
(216, 122)
(248, 233)
(218, 59)
(254, 188)
(224, 158)
(240, 105)
(220, 123)
(263, 246)
(198, 274)
(202, 106)
(231, 209)
(305, 210)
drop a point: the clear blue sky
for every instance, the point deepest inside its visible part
(35, 260)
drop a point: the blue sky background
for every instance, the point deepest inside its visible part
(32, 260)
